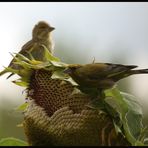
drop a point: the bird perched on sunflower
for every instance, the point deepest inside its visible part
(41, 36)
(97, 77)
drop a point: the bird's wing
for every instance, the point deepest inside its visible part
(105, 70)
(25, 48)
(116, 69)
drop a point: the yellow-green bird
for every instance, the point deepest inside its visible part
(101, 75)
(41, 35)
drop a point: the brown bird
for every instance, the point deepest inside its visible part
(41, 35)
(101, 76)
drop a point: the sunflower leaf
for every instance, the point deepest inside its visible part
(10, 141)
(130, 114)
(22, 107)
(48, 56)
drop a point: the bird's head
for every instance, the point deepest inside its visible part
(72, 68)
(42, 30)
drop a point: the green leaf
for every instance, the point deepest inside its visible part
(118, 128)
(3, 72)
(117, 98)
(35, 62)
(29, 65)
(8, 69)
(42, 64)
(136, 127)
(25, 64)
(71, 81)
(21, 57)
(22, 107)
(48, 56)
(143, 136)
(30, 55)
(20, 83)
(75, 91)
(132, 103)
(58, 74)
(12, 142)
(59, 64)
(20, 125)
(130, 114)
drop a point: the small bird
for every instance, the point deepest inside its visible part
(100, 76)
(41, 35)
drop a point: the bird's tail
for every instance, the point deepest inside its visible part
(129, 73)
(140, 71)
(133, 72)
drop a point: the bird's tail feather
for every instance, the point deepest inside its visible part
(140, 71)
(129, 73)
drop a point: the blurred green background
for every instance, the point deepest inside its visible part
(109, 31)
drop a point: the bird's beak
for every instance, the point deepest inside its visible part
(51, 28)
(67, 71)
